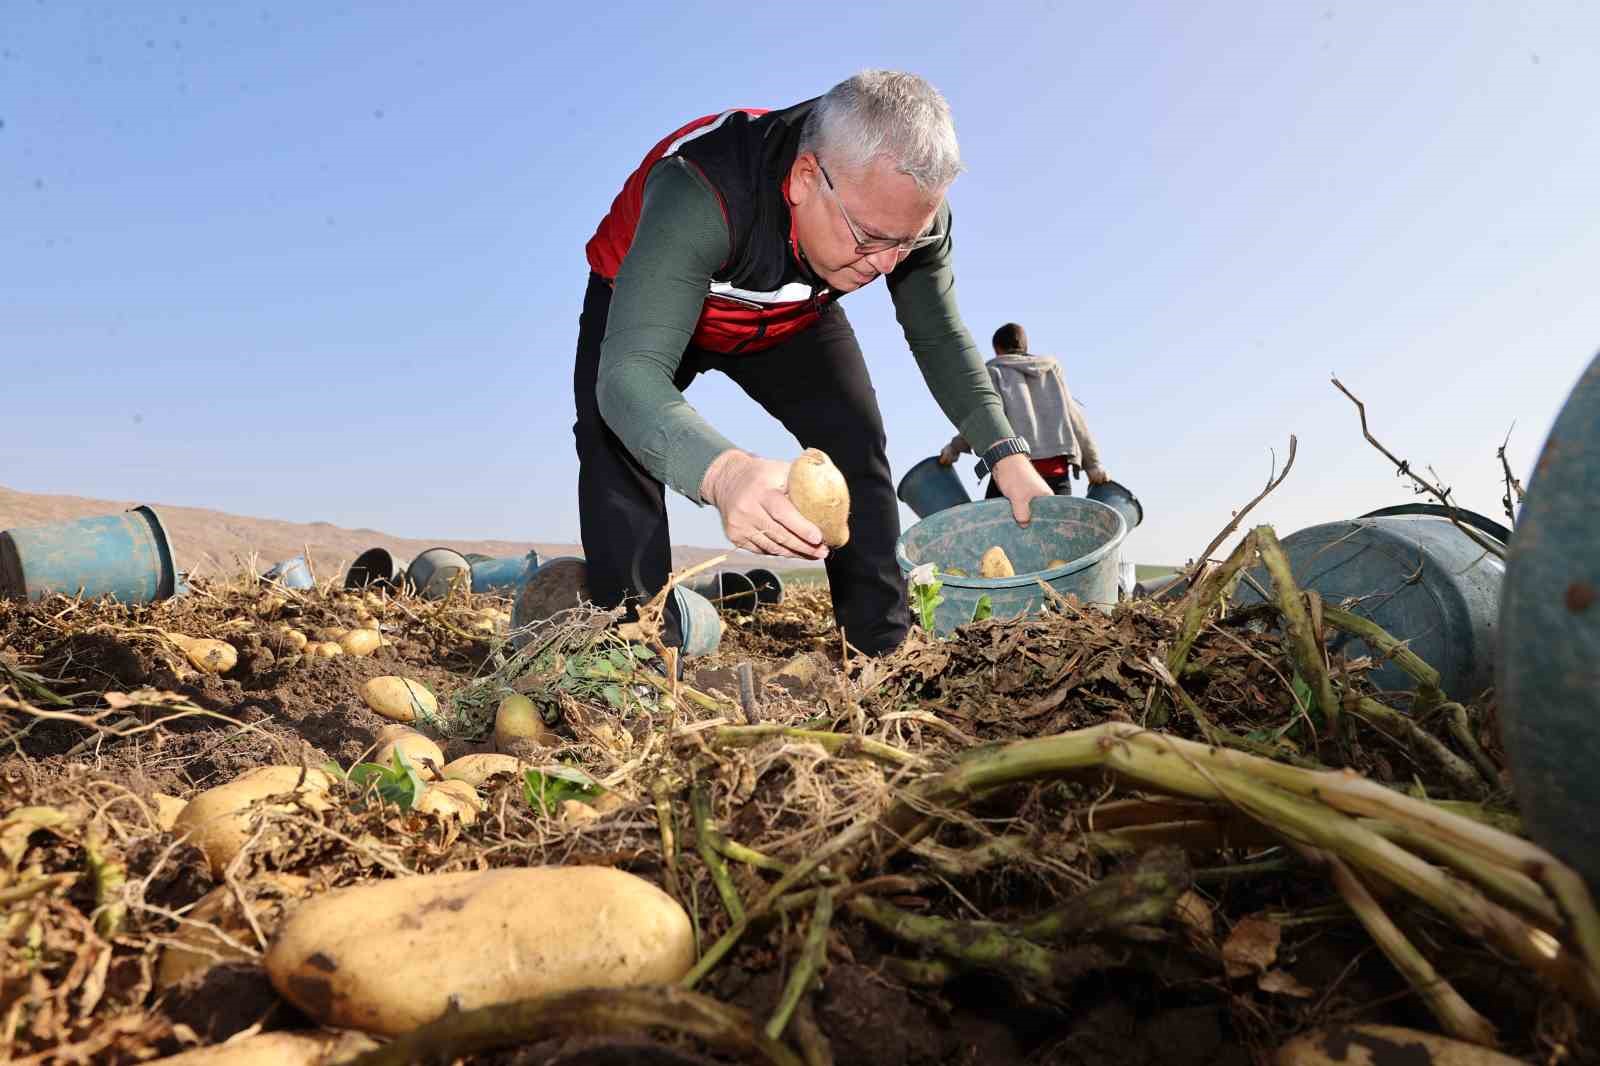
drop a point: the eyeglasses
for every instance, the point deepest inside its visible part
(873, 245)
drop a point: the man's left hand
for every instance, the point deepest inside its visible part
(1097, 475)
(1020, 483)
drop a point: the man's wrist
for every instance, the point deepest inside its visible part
(1004, 449)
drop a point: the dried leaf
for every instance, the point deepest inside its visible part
(1251, 947)
(1283, 983)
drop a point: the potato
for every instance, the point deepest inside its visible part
(360, 641)
(334, 635)
(296, 639)
(277, 1049)
(370, 623)
(419, 751)
(518, 726)
(577, 812)
(607, 802)
(451, 799)
(1053, 563)
(817, 490)
(327, 649)
(399, 699)
(1368, 1045)
(198, 947)
(167, 809)
(995, 563)
(216, 821)
(477, 769)
(206, 655)
(389, 956)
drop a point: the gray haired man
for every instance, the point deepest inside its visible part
(728, 250)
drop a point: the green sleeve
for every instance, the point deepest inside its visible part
(660, 289)
(924, 292)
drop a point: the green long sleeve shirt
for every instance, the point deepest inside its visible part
(682, 238)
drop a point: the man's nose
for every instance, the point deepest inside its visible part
(885, 261)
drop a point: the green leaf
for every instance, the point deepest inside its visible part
(984, 608)
(547, 789)
(398, 783)
(1302, 693)
(642, 653)
(613, 696)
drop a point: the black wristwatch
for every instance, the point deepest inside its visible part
(1002, 448)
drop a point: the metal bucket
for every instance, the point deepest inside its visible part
(375, 566)
(291, 574)
(1549, 663)
(1416, 575)
(1114, 494)
(501, 575)
(728, 590)
(769, 585)
(1086, 533)
(699, 624)
(929, 488)
(125, 556)
(436, 571)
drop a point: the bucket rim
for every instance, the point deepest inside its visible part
(1033, 577)
(1433, 510)
(167, 584)
(1115, 485)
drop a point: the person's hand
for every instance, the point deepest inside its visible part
(1020, 483)
(1097, 475)
(752, 496)
(948, 455)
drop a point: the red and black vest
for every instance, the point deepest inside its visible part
(762, 294)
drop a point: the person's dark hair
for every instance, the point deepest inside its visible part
(1010, 338)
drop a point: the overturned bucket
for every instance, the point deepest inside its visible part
(501, 575)
(930, 487)
(699, 625)
(438, 570)
(375, 566)
(1114, 494)
(769, 585)
(125, 556)
(291, 574)
(728, 590)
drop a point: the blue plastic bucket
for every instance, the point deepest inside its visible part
(728, 590)
(1113, 494)
(1416, 575)
(375, 566)
(769, 585)
(1549, 665)
(436, 571)
(502, 575)
(698, 622)
(125, 556)
(291, 574)
(1085, 533)
(929, 488)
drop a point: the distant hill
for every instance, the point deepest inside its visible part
(212, 543)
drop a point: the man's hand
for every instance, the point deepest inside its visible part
(948, 455)
(1097, 475)
(751, 494)
(1021, 484)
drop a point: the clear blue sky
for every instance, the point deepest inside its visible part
(323, 261)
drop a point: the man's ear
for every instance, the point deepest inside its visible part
(803, 178)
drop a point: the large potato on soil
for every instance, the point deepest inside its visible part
(277, 1049)
(476, 769)
(360, 641)
(166, 809)
(419, 750)
(217, 822)
(197, 946)
(389, 956)
(207, 655)
(518, 726)
(399, 699)
(818, 491)
(1375, 1045)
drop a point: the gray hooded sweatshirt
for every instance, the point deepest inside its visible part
(1041, 409)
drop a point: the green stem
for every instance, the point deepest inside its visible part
(1303, 646)
(806, 966)
(700, 803)
(841, 744)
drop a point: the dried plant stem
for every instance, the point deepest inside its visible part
(661, 793)
(842, 744)
(1143, 895)
(1463, 777)
(1456, 1016)
(700, 804)
(1206, 597)
(589, 1012)
(1238, 516)
(1301, 639)
(806, 967)
(1461, 728)
(1395, 651)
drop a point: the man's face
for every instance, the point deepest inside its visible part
(879, 201)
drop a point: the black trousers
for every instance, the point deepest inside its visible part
(816, 384)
